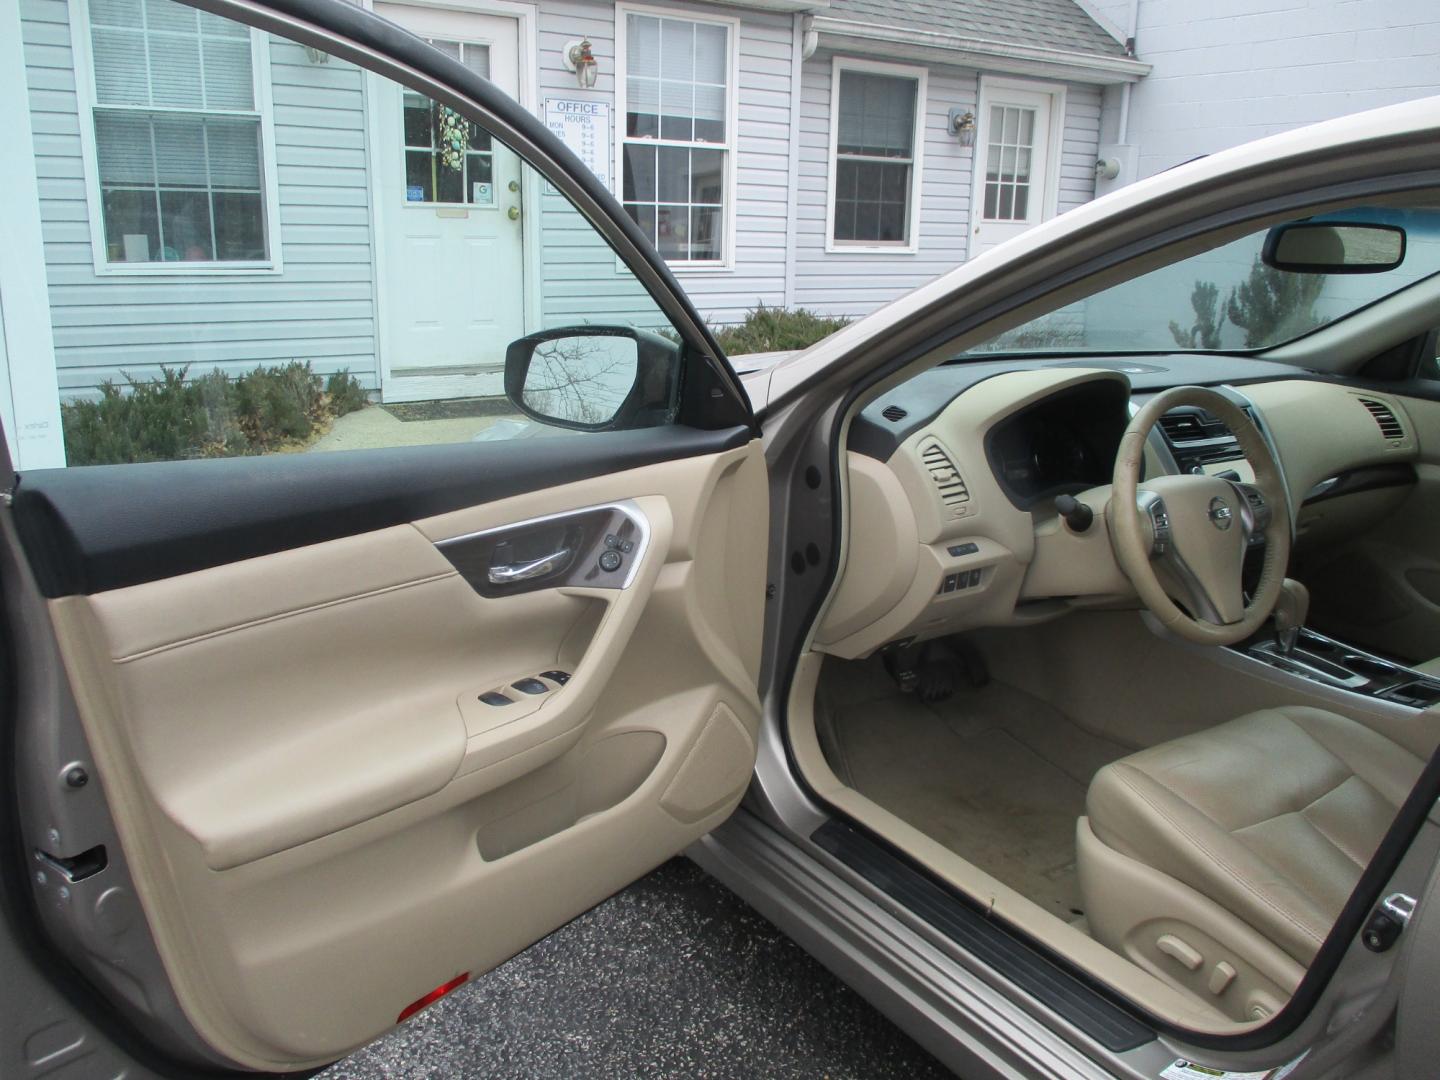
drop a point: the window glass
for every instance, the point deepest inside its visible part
(676, 138)
(874, 157)
(177, 135)
(381, 319)
(1008, 154)
(1228, 299)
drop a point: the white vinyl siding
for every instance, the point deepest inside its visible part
(320, 309)
(834, 281)
(581, 281)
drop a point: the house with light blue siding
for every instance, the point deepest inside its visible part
(203, 196)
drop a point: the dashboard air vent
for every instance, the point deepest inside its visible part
(1390, 426)
(948, 481)
(894, 413)
(1184, 426)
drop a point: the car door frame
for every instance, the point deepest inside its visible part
(82, 1021)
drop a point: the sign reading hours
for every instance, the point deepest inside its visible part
(583, 126)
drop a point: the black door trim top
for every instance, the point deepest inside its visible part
(88, 530)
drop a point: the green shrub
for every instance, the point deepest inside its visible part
(173, 417)
(345, 393)
(768, 329)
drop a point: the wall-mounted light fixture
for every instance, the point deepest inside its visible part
(580, 59)
(316, 56)
(962, 125)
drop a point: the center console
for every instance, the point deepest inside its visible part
(1325, 660)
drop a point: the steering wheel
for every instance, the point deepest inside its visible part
(1184, 537)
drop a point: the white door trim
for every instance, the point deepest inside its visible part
(1050, 193)
(529, 87)
(29, 387)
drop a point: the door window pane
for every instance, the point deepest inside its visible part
(1007, 163)
(447, 158)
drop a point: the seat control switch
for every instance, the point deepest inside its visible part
(1181, 950)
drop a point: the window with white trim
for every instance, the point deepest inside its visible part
(875, 138)
(177, 136)
(678, 134)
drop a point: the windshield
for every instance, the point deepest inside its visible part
(1226, 299)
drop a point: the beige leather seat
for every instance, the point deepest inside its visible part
(1269, 818)
(1430, 667)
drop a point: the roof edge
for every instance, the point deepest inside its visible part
(913, 43)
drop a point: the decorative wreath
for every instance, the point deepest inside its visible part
(454, 134)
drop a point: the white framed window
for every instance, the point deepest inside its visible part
(877, 137)
(177, 137)
(676, 110)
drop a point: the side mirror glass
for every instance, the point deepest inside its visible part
(1334, 247)
(594, 378)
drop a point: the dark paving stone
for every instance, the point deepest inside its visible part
(675, 976)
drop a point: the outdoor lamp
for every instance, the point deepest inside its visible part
(963, 125)
(579, 59)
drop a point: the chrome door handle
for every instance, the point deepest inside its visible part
(527, 571)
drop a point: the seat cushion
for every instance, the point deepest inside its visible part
(1272, 815)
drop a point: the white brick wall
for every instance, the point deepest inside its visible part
(1228, 71)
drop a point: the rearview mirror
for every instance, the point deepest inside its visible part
(594, 378)
(1334, 247)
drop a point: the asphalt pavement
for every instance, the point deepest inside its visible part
(674, 977)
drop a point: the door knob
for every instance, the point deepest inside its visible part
(528, 571)
(514, 185)
(513, 213)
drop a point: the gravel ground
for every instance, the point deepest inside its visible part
(675, 976)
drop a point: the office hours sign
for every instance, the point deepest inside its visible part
(583, 126)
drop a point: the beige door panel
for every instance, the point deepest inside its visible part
(323, 820)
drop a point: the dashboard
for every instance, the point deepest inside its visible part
(1062, 444)
(953, 476)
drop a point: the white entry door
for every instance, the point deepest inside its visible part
(452, 271)
(1015, 177)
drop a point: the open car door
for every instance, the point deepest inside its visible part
(303, 740)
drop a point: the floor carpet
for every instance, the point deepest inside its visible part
(995, 775)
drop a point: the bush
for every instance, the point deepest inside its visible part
(171, 417)
(768, 329)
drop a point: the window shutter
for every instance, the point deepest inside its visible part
(122, 145)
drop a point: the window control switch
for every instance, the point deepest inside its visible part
(561, 677)
(531, 686)
(494, 697)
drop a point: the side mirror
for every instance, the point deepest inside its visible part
(594, 378)
(1334, 247)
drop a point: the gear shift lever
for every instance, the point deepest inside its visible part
(1290, 611)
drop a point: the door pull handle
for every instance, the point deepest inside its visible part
(528, 571)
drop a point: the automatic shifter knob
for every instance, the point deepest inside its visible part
(1291, 608)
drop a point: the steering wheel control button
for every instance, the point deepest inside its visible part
(531, 686)
(610, 559)
(561, 677)
(494, 697)
(968, 548)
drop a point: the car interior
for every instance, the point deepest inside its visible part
(1163, 744)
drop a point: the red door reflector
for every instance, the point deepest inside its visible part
(430, 998)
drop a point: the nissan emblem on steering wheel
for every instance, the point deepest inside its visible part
(1220, 514)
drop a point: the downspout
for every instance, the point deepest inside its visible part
(802, 46)
(1124, 133)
